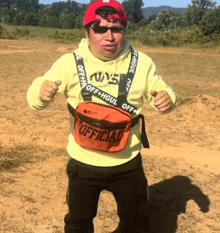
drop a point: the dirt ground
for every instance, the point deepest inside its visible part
(182, 165)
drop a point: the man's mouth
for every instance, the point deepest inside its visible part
(109, 47)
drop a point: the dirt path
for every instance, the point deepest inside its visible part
(182, 164)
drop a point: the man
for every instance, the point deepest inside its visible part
(105, 56)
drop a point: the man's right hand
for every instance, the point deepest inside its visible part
(49, 89)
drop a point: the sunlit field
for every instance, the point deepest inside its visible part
(182, 165)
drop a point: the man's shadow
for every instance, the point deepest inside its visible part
(168, 199)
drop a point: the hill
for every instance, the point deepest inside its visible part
(148, 11)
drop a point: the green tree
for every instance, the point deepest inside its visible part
(4, 4)
(30, 19)
(57, 7)
(26, 5)
(166, 19)
(145, 21)
(7, 15)
(193, 15)
(133, 10)
(79, 22)
(19, 17)
(33, 5)
(72, 6)
(210, 23)
(195, 11)
(19, 4)
(46, 18)
(67, 19)
(203, 4)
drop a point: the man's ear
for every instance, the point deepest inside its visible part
(87, 34)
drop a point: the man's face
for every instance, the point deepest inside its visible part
(104, 43)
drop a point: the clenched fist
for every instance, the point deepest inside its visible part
(49, 89)
(162, 100)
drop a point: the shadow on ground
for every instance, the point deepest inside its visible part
(168, 199)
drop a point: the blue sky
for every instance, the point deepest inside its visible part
(174, 3)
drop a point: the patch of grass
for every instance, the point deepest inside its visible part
(62, 36)
(11, 158)
(175, 37)
(181, 100)
(30, 32)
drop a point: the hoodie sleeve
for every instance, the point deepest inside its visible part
(62, 69)
(156, 83)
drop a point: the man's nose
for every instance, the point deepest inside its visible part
(109, 35)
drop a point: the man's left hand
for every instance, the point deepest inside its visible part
(162, 100)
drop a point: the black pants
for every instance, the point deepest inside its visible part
(128, 184)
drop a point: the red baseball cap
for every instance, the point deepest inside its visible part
(91, 16)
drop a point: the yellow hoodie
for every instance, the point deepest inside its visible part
(105, 76)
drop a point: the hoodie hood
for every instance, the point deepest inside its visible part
(84, 52)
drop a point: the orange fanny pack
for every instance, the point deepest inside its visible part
(100, 127)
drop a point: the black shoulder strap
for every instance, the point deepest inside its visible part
(82, 77)
(126, 79)
(132, 69)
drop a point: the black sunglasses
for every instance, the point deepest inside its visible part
(101, 30)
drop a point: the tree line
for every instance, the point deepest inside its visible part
(30, 12)
(202, 13)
